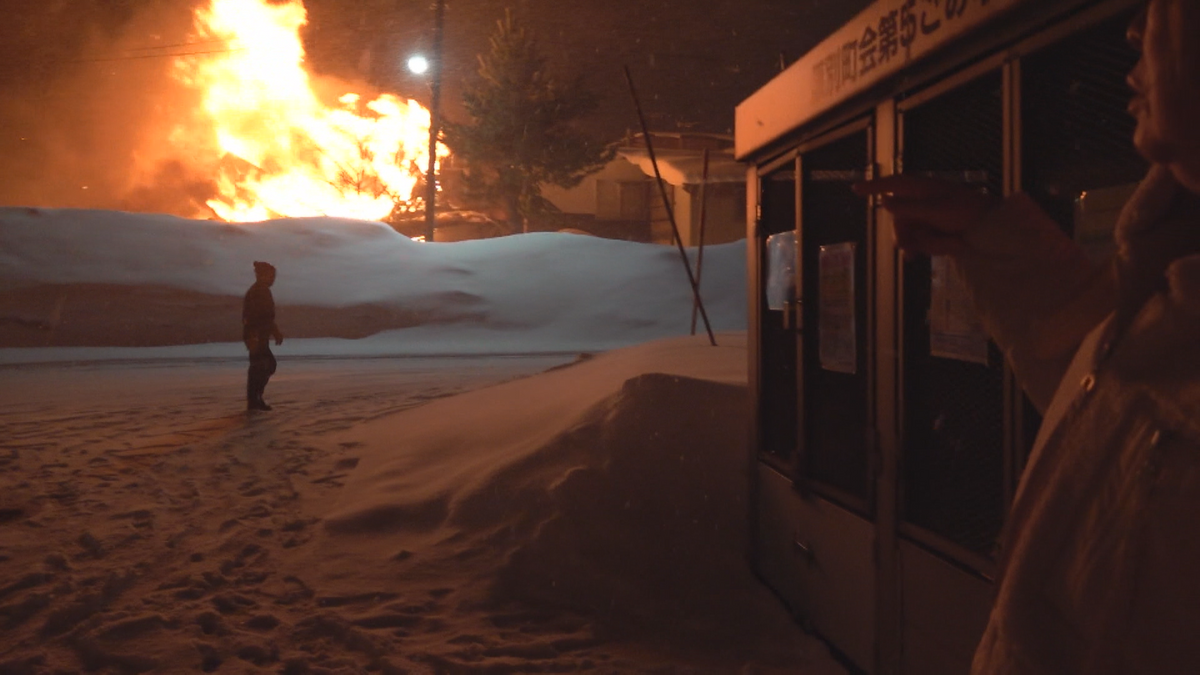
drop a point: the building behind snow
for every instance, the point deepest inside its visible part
(623, 199)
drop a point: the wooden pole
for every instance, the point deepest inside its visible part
(662, 189)
(700, 252)
(434, 103)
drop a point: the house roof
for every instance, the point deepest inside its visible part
(686, 167)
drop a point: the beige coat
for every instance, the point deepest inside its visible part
(1100, 567)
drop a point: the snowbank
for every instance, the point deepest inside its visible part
(108, 279)
(591, 518)
(614, 487)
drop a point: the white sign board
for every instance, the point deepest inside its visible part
(837, 339)
(879, 42)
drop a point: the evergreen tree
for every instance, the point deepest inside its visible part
(523, 128)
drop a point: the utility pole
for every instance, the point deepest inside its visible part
(435, 85)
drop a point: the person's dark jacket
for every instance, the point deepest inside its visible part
(258, 316)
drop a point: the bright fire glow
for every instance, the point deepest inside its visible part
(282, 151)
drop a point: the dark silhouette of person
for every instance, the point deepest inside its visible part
(258, 327)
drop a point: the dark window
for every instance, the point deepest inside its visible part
(777, 422)
(1076, 133)
(835, 450)
(1077, 156)
(952, 476)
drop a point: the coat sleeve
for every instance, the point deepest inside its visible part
(1036, 292)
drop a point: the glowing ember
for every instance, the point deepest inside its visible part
(283, 152)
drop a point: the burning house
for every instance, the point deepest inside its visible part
(280, 143)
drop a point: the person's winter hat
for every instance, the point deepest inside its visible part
(263, 268)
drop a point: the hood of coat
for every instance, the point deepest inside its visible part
(1158, 226)
(1158, 314)
(1183, 282)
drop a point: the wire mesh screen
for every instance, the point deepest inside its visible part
(835, 403)
(1077, 134)
(953, 455)
(777, 352)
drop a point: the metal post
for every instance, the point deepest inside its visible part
(700, 251)
(434, 103)
(662, 189)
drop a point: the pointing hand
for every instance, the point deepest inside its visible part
(930, 214)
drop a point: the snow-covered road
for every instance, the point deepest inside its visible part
(147, 515)
(149, 524)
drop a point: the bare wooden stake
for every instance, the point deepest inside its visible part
(662, 189)
(700, 251)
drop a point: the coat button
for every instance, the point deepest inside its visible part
(1088, 383)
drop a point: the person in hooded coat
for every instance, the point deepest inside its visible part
(1099, 570)
(258, 327)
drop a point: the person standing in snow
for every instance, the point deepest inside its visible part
(1099, 571)
(258, 327)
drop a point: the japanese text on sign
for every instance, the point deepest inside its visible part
(889, 37)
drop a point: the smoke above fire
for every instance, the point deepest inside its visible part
(205, 111)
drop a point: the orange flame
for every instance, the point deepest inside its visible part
(283, 152)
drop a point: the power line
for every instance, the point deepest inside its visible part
(128, 57)
(132, 57)
(196, 43)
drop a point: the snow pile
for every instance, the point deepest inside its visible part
(102, 278)
(411, 515)
(615, 488)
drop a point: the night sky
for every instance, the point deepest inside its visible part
(85, 80)
(692, 60)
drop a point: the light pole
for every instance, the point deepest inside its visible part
(434, 101)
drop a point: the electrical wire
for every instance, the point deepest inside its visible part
(154, 56)
(127, 57)
(178, 44)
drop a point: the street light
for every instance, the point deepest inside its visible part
(418, 64)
